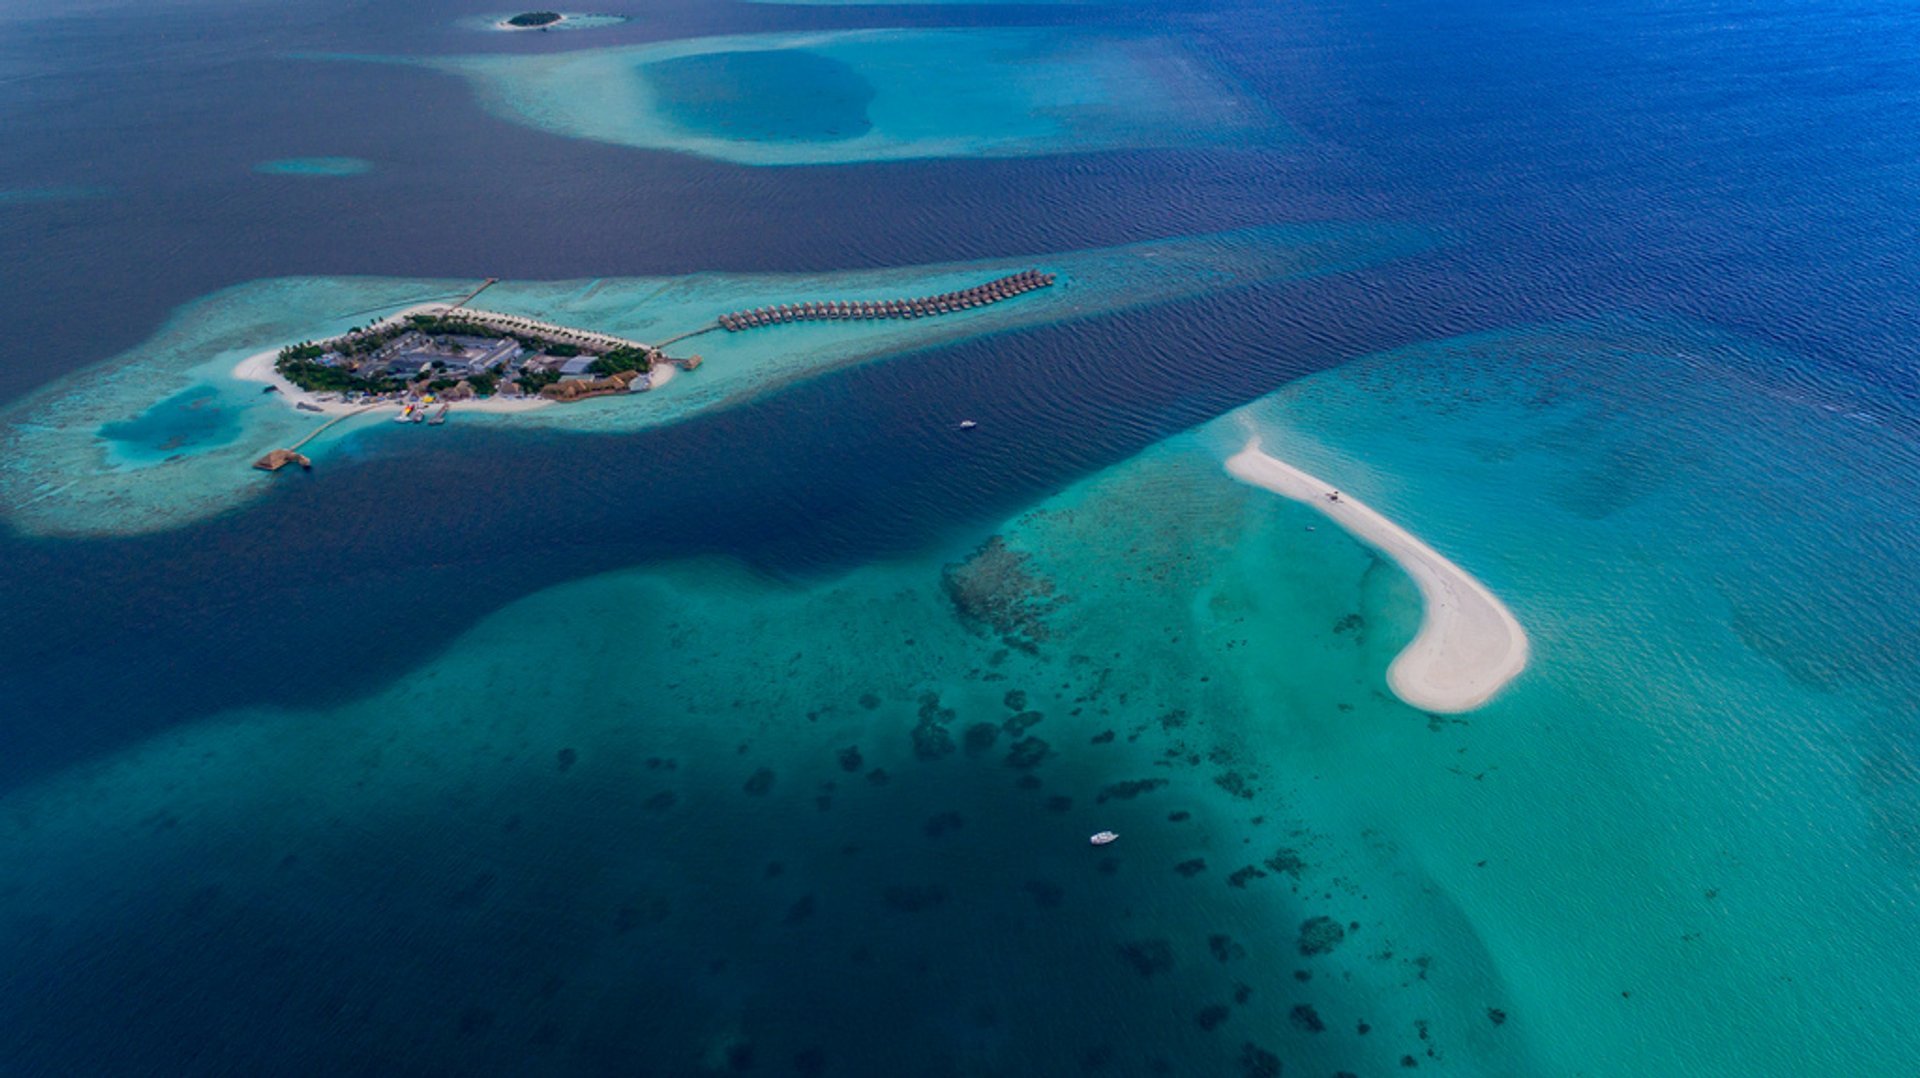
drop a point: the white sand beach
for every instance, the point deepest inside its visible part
(1469, 644)
(259, 368)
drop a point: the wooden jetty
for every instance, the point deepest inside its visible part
(468, 298)
(280, 458)
(979, 295)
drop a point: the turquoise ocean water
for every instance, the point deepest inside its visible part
(666, 800)
(766, 737)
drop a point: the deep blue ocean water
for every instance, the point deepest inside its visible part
(1749, 167)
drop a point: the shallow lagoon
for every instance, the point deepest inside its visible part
(187, 421)
(58, 475)
(1002, 92)
(22, 196)
(768, 95)
(317, 167)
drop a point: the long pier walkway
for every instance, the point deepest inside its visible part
(979, 295)
(468, 298)
(322, 428)
(280, 458)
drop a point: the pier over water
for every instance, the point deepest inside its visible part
(980, 295)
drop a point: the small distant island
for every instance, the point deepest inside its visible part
(529, 20)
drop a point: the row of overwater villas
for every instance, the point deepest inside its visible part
(966, 299)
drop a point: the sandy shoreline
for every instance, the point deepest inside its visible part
(259, 368)
(1469, 645)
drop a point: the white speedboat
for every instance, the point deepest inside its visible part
(1101, 838)
(968, 424)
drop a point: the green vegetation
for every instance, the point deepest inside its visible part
(623, 359)
(436, 326)
(535, 18)
(300, 363)
(535, 381)
(320, 378)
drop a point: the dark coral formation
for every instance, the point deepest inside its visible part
(1019, 723)
(1211, 1016)
(980, 737)
(942, 823)
(995, 590)
(1046, 894)
(1287, 862)
(1305, 1018)
(801, 910)
(1128, 790)
(1028, 753)
(1192, 867)
(1236, 784)
(1224, 948)
(1148, 957)
(850, 759)
(1320, 935)
(1243, 874)
(915, 899)
(648, 911)
(1257, 1062)
(931, 740)
(760, 783)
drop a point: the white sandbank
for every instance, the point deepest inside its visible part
(1469, 644)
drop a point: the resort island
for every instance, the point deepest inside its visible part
(534, 20)
(429, 357)
(447, 356)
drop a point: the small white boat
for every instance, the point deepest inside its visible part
(1103, 837)
(968, 424)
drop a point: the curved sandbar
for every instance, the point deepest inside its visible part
(1469, 644)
